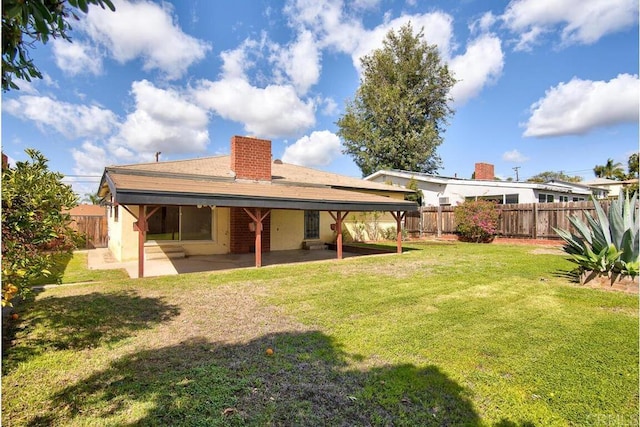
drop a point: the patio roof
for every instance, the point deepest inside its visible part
(136, 186)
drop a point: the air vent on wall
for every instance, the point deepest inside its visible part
(443, 201)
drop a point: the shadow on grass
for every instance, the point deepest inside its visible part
(305, 382)
(84, 321)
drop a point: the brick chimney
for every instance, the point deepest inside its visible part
(251, 158)
(484, 171)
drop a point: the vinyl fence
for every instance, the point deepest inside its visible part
(529, 220)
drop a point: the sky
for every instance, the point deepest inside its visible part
(542, 85)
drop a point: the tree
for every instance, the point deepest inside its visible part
(553, 176)
(633, 164)
(399, 112)
(25, 22)
(418, 195)
(91, 198)
(609, 170)
(34, 227)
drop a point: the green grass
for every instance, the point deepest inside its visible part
(449, 334)
(72, 268)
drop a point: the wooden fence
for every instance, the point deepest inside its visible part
(530, 220)
(93, 228)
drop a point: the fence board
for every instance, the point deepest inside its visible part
(94, 228)
(525, 220)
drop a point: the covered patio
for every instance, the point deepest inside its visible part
(102, 259)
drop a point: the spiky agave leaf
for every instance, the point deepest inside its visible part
(603, 222)
(582, 228)
(617, 221)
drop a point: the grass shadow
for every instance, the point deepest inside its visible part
(306, 382)
(83, 322)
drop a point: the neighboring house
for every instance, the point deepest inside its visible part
(597, 192)
(235, 204)
(611, 185)
(437, 190)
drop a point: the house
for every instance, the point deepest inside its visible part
(240, 203)
(612, 186)
(437, 190)
(596, 191)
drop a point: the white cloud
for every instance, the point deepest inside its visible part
(144, 30)
(300, 61)
(164, 120)
(318, 149)
(580, 106)
(582, 21)
(71, 120)
(75, 58)
(270, 112)
(514, 156)
(480, 65)
(330, 107)
(90, 159)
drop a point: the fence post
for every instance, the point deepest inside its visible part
(535, 221)
(439, 221)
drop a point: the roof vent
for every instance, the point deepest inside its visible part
(277, 162)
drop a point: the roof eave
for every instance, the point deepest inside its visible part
(127, 197)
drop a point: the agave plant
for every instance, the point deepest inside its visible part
(607, 244)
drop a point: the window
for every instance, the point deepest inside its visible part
(578, 199)
(180, 223)
(511, 199)
(563, 198)
(311, 224)
(545, 198)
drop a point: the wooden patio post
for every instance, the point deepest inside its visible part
(142, 234)
(338, 219)
(399, 216)
(257, 220)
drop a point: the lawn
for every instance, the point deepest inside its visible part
(449, 334)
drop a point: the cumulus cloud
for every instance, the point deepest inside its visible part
(581, 21)
(480, 65)
(300, 61)
(76, 58)
(163, 120)
(580, 106)
(71, 120)
(90, 159)
(514, 156)
(273, 111)
(318, 149)
(147, 31)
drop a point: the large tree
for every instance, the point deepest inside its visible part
(554, 176)
(34, 225)
(609, 170)
(25, 22)
(633, 164)
(399, 112)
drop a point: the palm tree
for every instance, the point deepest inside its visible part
(609, 170)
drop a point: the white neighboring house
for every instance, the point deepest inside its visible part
(439, 190)
(598, 192)
(611, 185)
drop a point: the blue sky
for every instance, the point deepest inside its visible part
(543, 85)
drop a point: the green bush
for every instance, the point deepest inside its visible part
(608, 244)
(477, 221)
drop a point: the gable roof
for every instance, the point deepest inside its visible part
(210, 181)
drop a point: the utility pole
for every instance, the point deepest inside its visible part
(158, 155)
(517, 176)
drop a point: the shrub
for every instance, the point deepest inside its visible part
(608, 244)
(477, 221)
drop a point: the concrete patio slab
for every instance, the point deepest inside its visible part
(102, 259)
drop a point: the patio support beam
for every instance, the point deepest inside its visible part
(399, 216)
(338, 218)
(257, 218)
(141, 226)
